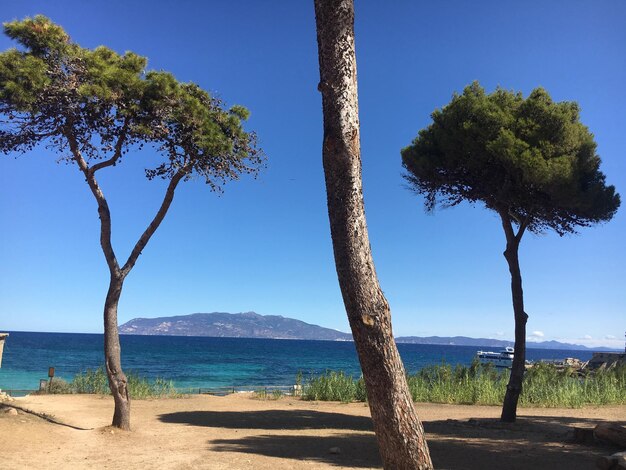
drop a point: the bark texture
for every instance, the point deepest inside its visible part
(514, 387)
(113, 355)
(398, 430)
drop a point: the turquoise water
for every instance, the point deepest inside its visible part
(200, 362)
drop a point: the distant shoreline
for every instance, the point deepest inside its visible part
(208, 362)
(429, 341)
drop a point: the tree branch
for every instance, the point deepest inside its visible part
(515, 218)
(522, 227)
(508, 228)
(118, 150)
(103, 206)
(158, 218)
(511, 236)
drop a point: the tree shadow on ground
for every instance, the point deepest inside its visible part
(453, 445)
(538, 442)
(542, 429)
(270, 419)
(356, 450)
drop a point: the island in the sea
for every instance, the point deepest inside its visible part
(232, 325)
(253, 325)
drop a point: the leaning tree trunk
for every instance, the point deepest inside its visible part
(514, 387)
(398, 430)
(112, 355)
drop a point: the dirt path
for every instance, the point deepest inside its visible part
(240, 432)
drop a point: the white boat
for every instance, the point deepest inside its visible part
(503, 358)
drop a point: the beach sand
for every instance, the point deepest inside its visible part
(241, 432)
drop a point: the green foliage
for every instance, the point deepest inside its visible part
(38, 34)
(92, 381)
(477, 384)
(57, 386)
(95, 381)
(141, 388)
(334, 386)
(22, 80)
(261, 394)
(544, 386)
(56, 92)
(268, 394)
(531, 158)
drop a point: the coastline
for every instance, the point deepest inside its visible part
(240, 432)
(205, 362)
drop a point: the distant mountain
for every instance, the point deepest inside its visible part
(231, 325)
(253, 325)
(492, 343)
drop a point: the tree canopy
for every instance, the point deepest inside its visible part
(530, 157)
(104, 104)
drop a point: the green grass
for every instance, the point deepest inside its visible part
(334, 386)
(268, 394)
(477, 385)
(91, 381)
(57, 386)
(544, 386)
(96, 381)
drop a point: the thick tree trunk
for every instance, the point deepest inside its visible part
(398, 430)
(112, 354)
(514, 387)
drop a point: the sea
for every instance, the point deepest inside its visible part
(202, 362)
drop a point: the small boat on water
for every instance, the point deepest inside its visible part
(503, 358)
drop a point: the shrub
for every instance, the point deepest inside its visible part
(265, 394)
(483, 384)
(334, 386)
(57, 386)
(91, 381)
(96, 381)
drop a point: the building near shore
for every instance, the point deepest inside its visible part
(2, 338)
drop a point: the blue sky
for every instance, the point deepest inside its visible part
(264, 245)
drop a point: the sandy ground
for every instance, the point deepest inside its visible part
(242, 432)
